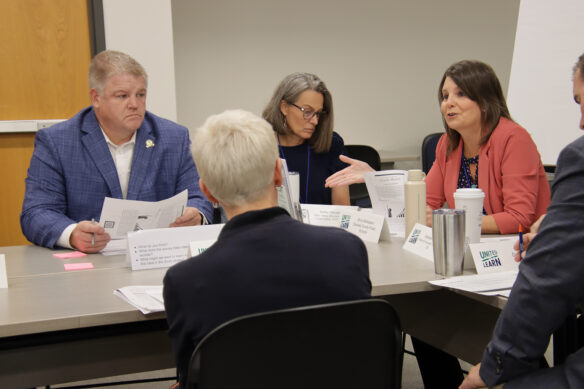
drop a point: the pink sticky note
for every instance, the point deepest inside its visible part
(71, 254)
(78, 266)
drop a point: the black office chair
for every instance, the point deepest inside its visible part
(353, 344)
(429, 150)
(358, 192)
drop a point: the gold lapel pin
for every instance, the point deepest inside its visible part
(149, 144)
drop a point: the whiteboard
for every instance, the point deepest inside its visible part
(548, 41)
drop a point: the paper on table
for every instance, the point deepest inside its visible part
(504, 293)
(386, 191)
(119, 216)
(156, 293)
(115, 247)
(147, 299)
(480, 283)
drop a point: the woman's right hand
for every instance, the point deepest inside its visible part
(353, 174)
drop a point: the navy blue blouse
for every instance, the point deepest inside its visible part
(322, 165)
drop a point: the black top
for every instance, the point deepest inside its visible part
(322, 165)
(262, 260)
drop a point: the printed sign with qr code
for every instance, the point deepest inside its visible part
(415, 235)
(345, 220)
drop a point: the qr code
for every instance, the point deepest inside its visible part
(108, 224)
(415, 235)
(345, 220)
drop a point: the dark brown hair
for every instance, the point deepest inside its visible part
(579, 67)
(480, 83)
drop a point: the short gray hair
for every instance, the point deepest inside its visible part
(289, 90)
(110, 63)
(236, 153)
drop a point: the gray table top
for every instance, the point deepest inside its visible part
(42, 296)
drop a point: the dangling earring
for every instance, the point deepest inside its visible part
(285, 124)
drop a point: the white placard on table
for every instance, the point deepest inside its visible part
(163, 247)
(324, 215)
(493, 256)
(3, 276)
(200, 246)
(370, 227)
(419, 242)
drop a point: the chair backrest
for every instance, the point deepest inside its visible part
(358, 192)
(364, 153)
(353, 344)
(429, 150)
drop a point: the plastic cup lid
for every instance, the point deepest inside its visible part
(469, 192)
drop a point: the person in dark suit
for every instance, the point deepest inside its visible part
(548, 288)
(263, 259)
(115, 148)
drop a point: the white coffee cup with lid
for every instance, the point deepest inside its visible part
(471, 200)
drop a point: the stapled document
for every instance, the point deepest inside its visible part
(147, 299)
(386, 191)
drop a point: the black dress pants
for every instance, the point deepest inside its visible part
(439, 369)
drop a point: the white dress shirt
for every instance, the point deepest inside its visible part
(122, 156)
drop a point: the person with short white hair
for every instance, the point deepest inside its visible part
(237, 156)
(263, 259)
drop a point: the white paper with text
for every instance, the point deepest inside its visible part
(386, 191)
(118, 216)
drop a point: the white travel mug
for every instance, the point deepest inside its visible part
(471, 201)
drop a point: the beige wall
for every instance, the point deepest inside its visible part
(382, 60)
(143, 29)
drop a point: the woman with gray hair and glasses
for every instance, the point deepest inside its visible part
(301, 113)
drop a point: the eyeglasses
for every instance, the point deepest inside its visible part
(308, 114)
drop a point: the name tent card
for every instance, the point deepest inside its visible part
(200, 246)
(493, 256)
(324, 214)
(163, 247)
(370, 227)
(419, 242)
(3, 276)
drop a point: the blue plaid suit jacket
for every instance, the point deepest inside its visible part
(72, 171)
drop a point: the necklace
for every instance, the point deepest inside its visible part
(465, 164)
(307, 167)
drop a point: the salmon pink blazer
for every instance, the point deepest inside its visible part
(511, 175)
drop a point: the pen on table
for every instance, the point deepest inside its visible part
(93, 235)
(520, 240)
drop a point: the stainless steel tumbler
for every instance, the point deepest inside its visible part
(448, 236)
